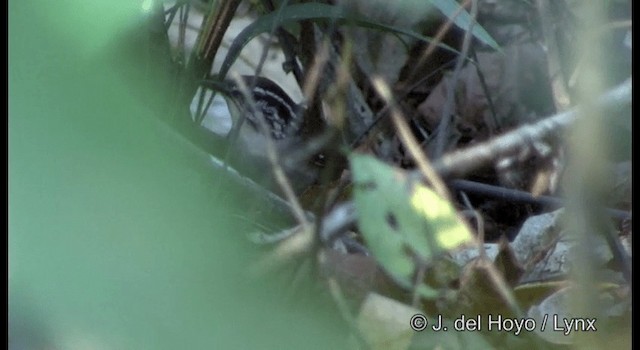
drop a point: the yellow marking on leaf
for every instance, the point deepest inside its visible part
(451, 232)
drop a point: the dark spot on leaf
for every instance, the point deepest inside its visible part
(368, 186)
(392, 221)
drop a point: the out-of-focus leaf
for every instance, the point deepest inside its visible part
(119, 235)
(401, 218)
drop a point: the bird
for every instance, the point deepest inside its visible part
(268, 111)
(262, 112)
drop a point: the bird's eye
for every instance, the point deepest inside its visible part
(235, 92)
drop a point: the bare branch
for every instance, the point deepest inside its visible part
(461, 162)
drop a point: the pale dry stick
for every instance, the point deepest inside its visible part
(415, 294)
(295, 245)
(272, 154)
(461, 162)
(314, 73)
(343, 308)
(287, 43)
(341, 301)
(438, 38)
(496, 277)
(208, 41)
(427, 52)
(205, 30)
(258, 70)
(409, 140)
(561, 97)
(266, 47)
(402, 95)
(503, 287)
(211, 37)
(336, 86)
(480, 222)
(430, 174)
(338, 115)
(447, 110)
(358, 111)
(421, 160)
(309, 90)
(262, 238)
(297, 278)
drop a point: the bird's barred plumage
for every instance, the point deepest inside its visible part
(249, 101)
(281, 114)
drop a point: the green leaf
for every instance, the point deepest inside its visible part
(401, 218)
(121, 235)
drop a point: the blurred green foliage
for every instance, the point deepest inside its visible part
(118, 237)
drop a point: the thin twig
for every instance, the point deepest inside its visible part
(211, 37)
(401, 96)
(447, 110)
(409, 140)
(272, 153)
(437, 39)
(461, 162)
(485, 89)
(288, 44)
(267, 46)
(479, 221)
(561, 97)
(336, 73)
(417, 282)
